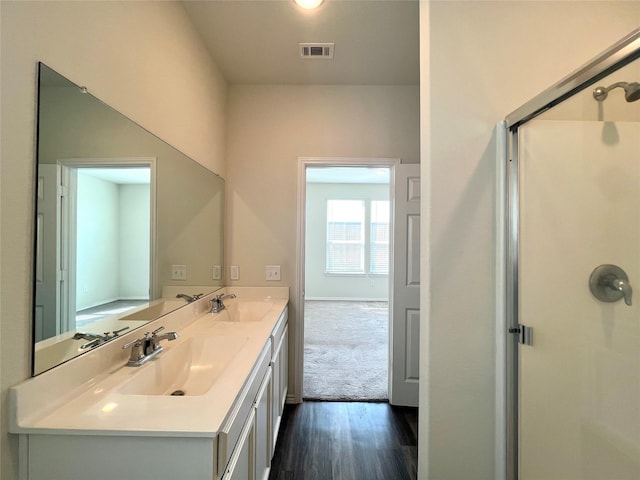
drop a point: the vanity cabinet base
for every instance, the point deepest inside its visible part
(116, 457)
(240, 449)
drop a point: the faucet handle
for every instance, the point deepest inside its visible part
(93, 343)
(137, 351)
(609, 283)
(115, 333)
(134, 343)
(623, 286)
(155, 332)
(111, 335)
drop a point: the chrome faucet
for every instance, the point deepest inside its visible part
(217, 302)
(86, 336)
(145, 348)
(96, 339)
(190, 298)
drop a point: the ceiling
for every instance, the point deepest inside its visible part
(256, 41)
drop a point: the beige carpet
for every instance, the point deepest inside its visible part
(346, 351)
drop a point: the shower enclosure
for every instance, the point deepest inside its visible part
(573, 275)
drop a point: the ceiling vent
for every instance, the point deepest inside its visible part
(316, 50)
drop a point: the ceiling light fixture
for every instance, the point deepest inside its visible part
(309, 4)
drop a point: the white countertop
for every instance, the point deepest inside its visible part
(94, 406)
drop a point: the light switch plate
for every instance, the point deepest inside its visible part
(178, 272)
(216, 272)
(235, 272)
(272, 273)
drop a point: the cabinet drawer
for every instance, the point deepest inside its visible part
(232, 426)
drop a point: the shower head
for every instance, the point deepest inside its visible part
(631, 91)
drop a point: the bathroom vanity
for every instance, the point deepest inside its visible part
(208, 407)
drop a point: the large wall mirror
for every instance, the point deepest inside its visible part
(124, 224)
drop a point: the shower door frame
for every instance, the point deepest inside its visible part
(623, 52)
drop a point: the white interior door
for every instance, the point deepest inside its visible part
(68, 228)
(404, 342)
(47, 315)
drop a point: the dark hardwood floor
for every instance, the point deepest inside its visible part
(346, 441)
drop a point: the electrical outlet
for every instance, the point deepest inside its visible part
(235, 272)
(178, 272)
(272, 273)
(217, 272)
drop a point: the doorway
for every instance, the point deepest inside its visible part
(346, 306)
(99, 214)
(112, 247)
(404, 275)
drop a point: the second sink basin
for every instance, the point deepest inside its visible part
(156, 310)
(188, 369)
(243, 311)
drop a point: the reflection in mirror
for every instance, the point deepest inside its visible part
(124, 222)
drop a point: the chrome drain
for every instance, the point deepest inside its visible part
(178, 393)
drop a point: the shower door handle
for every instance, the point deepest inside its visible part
(609, 283)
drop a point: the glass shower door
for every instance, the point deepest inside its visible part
(579, 382)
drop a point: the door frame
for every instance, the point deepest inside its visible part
(299, 293)
(69, 168)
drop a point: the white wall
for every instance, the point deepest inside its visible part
(97, 241)
(134, 241)
(319, 284)
(142, 58)
(113, 241)
(269, 127)
(479, 61)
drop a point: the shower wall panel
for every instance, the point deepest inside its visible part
(580, 381)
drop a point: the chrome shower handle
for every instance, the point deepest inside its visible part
(609, 283)
(624, 287)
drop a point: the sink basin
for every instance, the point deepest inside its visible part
(243, 311)
(154, 311)
(188, 369)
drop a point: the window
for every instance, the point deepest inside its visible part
(345, 236)
(358, 229)
(379, 240)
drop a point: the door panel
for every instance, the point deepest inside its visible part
(405, 296)
(579, 383)
(47, 319)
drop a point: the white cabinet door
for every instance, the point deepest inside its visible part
(242, 465)
(280, 383)
(264, 399)
(284, 369)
